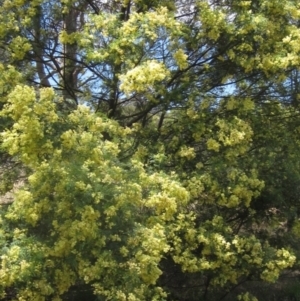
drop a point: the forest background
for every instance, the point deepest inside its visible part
(152, 148)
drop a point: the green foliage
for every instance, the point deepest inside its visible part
(159, 147)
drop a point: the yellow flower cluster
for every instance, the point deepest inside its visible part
(212, 144)
(284, 259)
(88, 198)
(213, 20)
(143, 77)
(211, 247)
(233, 133)
(187, 152)
(181, 59)
(31, 123)
(150, 22)
(9, 78)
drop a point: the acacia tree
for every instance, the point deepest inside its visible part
(159, 145)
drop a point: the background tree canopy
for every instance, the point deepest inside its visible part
(158, 147)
